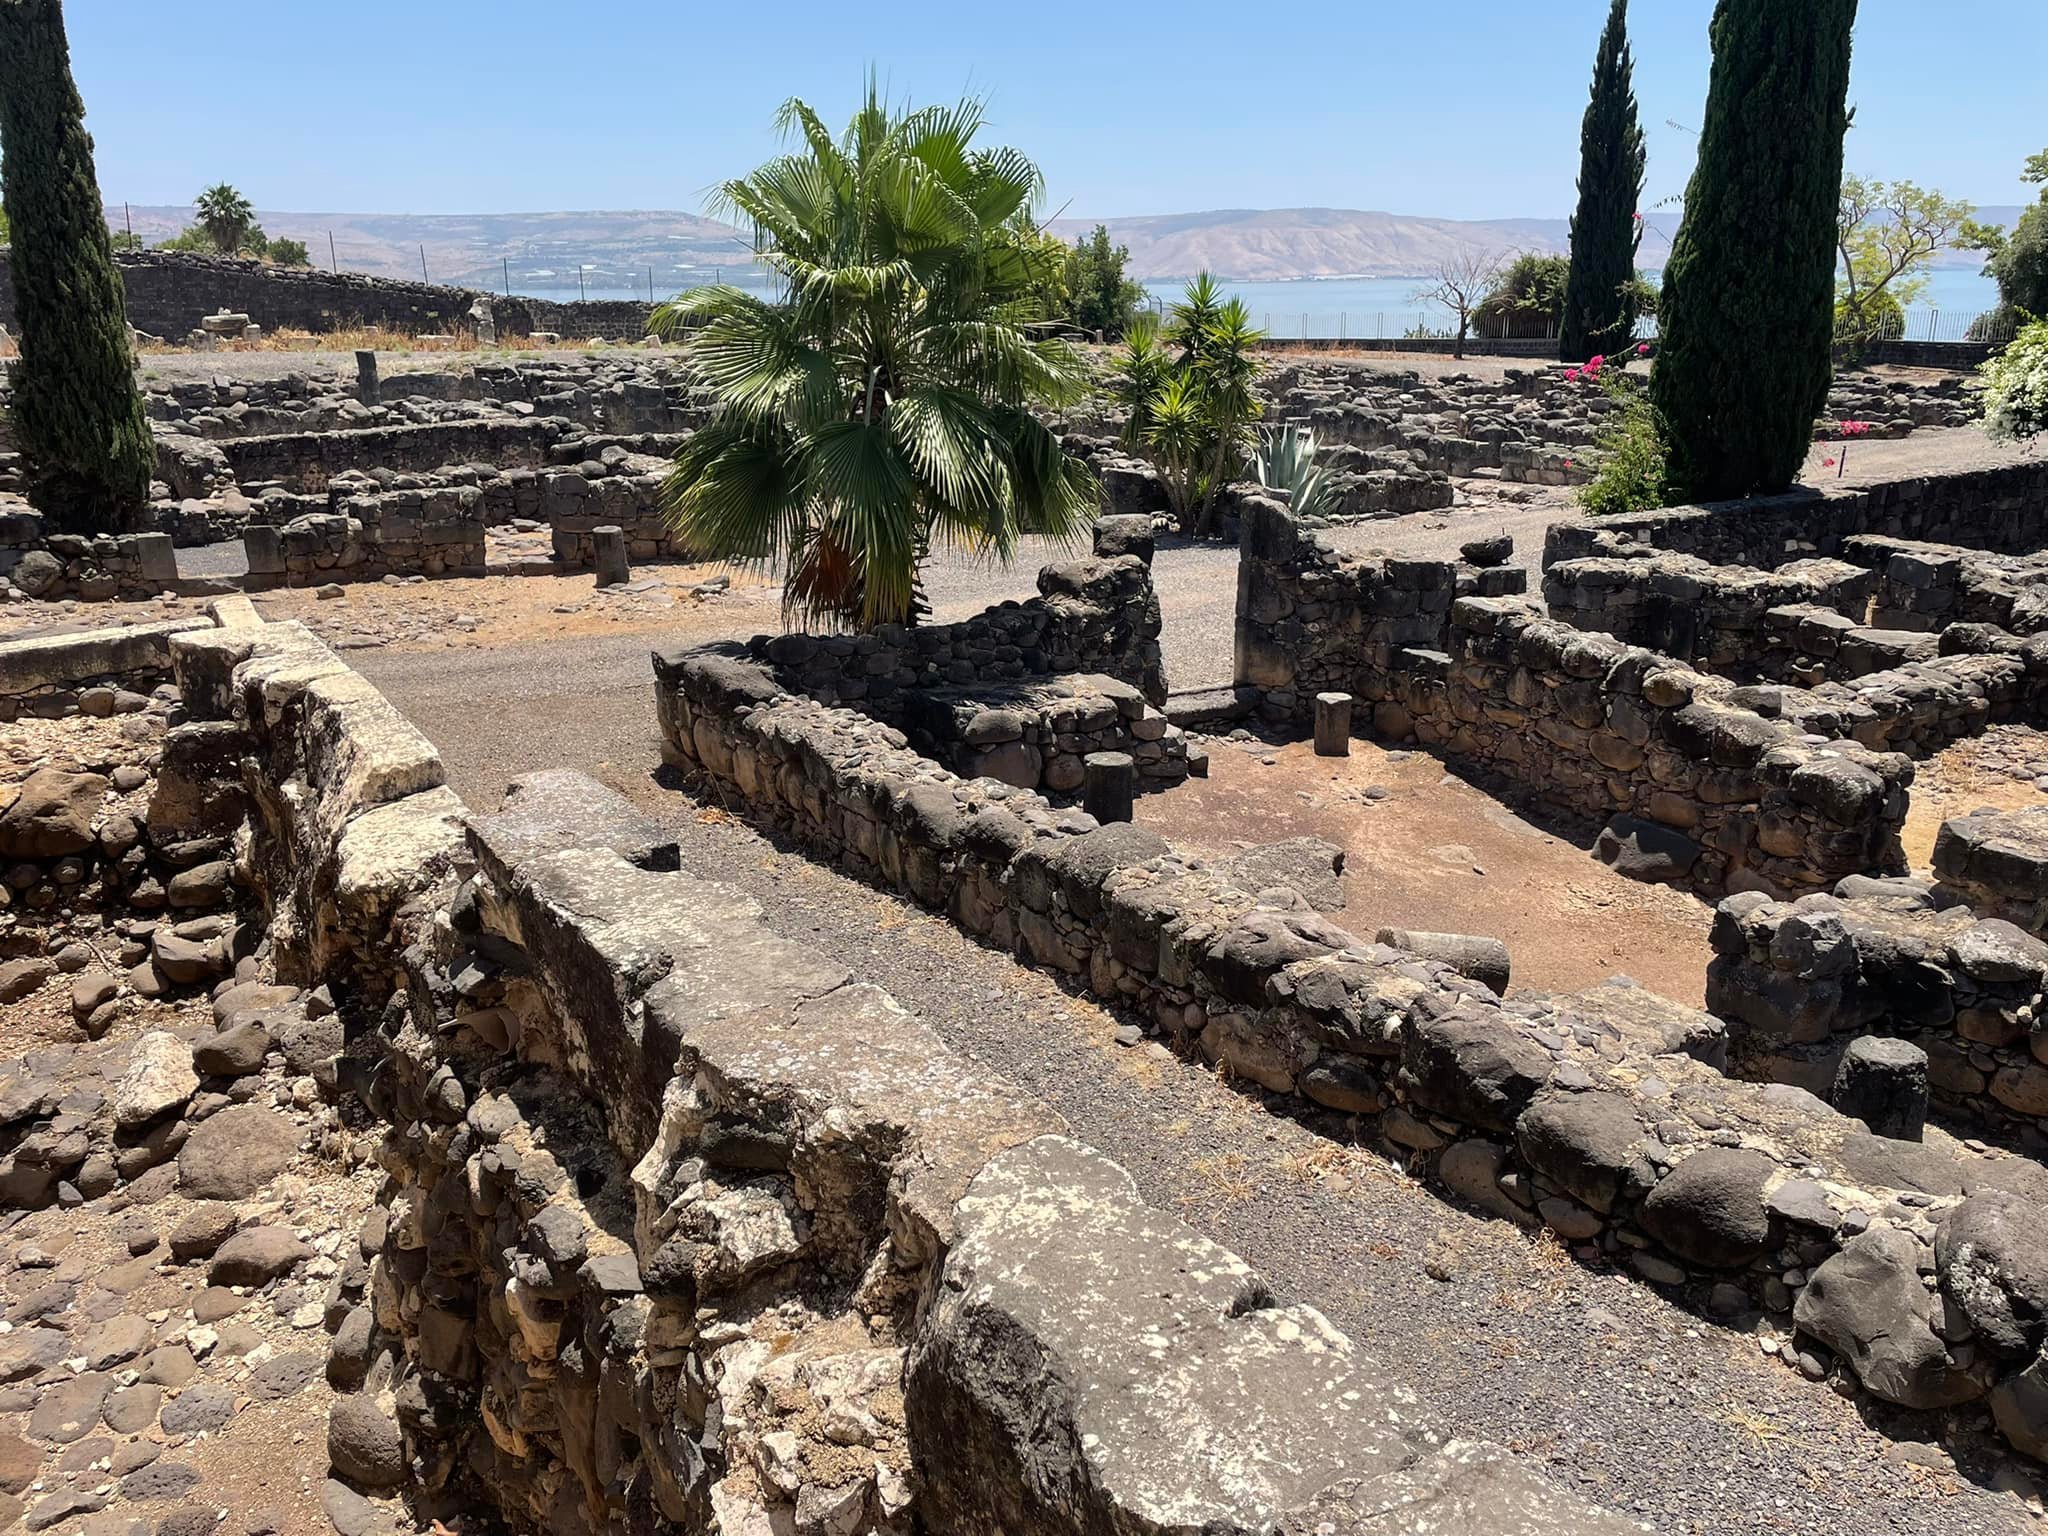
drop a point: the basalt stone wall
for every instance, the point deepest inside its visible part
(396, 533)
(576, 502)
(685, 1229)
(1708, 792)
(50, 566)
(1039, 734)
(1998, 862)
(581, 320)
(1096, 615)
(1926, 587)
(1709, 615)
(1999, 509)
(1601, 1115)
(1918, 708)
(306, 461)
(1712, 793)
(680, 1227)
(170, 291)
(1798, 981)
(1312, 619)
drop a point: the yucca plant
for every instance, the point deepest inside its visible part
(886, 404)
(1193, 414)
(1287, 463)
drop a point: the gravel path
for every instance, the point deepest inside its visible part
(1613, 1391)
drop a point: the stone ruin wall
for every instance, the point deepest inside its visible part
(168, 292)
(1798, 981)
(91, 568)
(1702, 791)
(1602, 1116)
(681, 1227)
(1997, 509)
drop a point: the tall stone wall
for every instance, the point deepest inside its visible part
(1602, 1115)
(169, 291)
(2000, 509)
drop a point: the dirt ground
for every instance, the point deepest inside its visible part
(1425, 850)
(1998, 770)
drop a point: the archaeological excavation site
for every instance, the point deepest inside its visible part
(927, 891)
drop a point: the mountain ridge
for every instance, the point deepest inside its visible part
(628, 249)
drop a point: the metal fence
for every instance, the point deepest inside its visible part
(1936, 325)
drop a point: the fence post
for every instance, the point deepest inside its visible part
(423, 265)
(333, 260)
(507, 260)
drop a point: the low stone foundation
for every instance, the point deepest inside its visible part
(681, 1228)
(1997, 861)
(1987, 509)
(1036, 735)
(51, 566)
(1601, 1115)
(1799, 981)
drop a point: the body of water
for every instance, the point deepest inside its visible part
(1388, 306)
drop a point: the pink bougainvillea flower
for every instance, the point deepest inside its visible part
(1572, 374)
(1567, 463)
(1827, 463)
(1642, 349)
(1597, 363)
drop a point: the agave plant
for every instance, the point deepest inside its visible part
(1287, 464)
(887, 403)
(1189, 387)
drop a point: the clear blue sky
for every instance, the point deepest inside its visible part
(1460, 110)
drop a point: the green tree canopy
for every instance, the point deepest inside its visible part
(1886, 233)
(2018, 261)
(224, 216)
(888, 402)
(1598, 312)
(1528, 301)
(288, 253)
(76, 415)
(1102, 297)
(1747, 316)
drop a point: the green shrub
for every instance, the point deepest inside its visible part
(1629, 456)
(2016, 388)
(1527, 303)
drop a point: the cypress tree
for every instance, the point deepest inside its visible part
(77, 415)
(1604, 230)
(1749, 294)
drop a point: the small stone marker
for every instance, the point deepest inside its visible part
(1883, 1083)
(1333, 725)
(368, 389)
(263, 546)
(1111, 786)
(608, 547)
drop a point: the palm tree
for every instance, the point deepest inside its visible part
(884, 404)
(226, 217)
(1193, 415)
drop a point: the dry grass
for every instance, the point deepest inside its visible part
(1227, 1177)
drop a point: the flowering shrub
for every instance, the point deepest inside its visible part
(2016, 388)
(1630, 453)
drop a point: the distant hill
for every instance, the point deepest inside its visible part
(615, 249)
(1260, 245)
(473, 250)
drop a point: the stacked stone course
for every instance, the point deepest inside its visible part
(1707, 792)
(1600, 1115)
(1798, 981)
